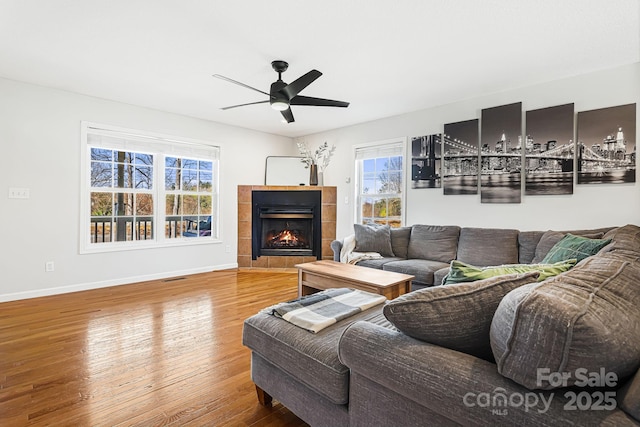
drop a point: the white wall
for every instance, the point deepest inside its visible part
(40, 139)
(589, 206)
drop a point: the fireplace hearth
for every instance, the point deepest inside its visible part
(286, 223)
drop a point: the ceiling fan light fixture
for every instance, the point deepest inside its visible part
(280, 105)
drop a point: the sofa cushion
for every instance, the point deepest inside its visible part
(433, 242)
(629, 397)
(527, 243)
(550, 238)
(378, 262)
(422, 269)
(588, 317)
(488, 246)
(624, 240)
(460, 272)
(400, 241)
(456, 316)
(572, 246)
(311, 358)
(373, 239)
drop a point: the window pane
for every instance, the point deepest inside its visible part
(102, 154)
(189, 164)
(172, 204)
(144, 204)
(101, 174)
(205, 205)
(100, 230)
(123, 229)
(144, 177)
(190, 205)
(123, 175)
(172, 227)
(172, 162)
(144, 228)
(369, 186)
(395, 207)
(124, 204)
(206, 166)
(101, 204)
(205, 182)
(382, 164)
(367, 208)
(380, 208)
(368, 165)
(144, 159)
(189, 180)
(171, 179)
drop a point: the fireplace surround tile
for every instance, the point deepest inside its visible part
(328, 197)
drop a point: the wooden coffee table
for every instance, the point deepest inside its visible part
(320, 275)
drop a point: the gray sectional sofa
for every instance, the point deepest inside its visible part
(507, 350)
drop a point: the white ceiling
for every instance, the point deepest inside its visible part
(385, 57)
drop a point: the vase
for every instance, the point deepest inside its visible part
(313, 174)
(320, 178)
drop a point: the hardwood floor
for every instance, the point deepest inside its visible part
(159, 353)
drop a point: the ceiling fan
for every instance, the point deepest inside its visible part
(283, 95)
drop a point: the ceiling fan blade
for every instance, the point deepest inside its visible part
(227, 79)
(288, 115)
(319, 102)
(242, 105)
(296, 86)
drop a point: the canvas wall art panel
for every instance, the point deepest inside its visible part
(501, 154)
(606, 145)
(549, 151)
(426, 161)
(460, 157)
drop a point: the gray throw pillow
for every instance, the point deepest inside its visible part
(400, 241)
(373, 239)
(587, 318)
(433, 242)
(454, 316)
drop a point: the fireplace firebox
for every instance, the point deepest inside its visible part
(286, 223)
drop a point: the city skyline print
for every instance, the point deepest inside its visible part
(501, 154)
(549, 150)
(606, 145)
(460, 157)
(426, 161)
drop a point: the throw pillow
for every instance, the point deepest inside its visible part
(433, 242)
(572, 246)
(587, 318)
(457, 316)
(461, 272)
(373, 239)
(550, 238)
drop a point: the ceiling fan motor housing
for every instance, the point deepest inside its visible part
(278, 97)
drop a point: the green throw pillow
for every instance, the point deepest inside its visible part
(461, 272)
(572, 246)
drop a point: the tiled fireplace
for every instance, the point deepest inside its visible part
(290, 226)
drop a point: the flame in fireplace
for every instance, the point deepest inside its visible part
(286, 239)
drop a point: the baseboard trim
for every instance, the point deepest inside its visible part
(107, 283)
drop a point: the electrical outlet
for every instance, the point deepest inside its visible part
(227, 249)
(18, 193)
(346, 200)
(49, 266)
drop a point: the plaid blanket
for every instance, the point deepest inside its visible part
(317, 311)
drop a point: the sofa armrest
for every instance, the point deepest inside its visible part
(456, 385)
(336, 246)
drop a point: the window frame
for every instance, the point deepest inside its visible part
(358, 173)
(160, 146)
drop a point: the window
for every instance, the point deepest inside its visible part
(142, 190)
(380, 183)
